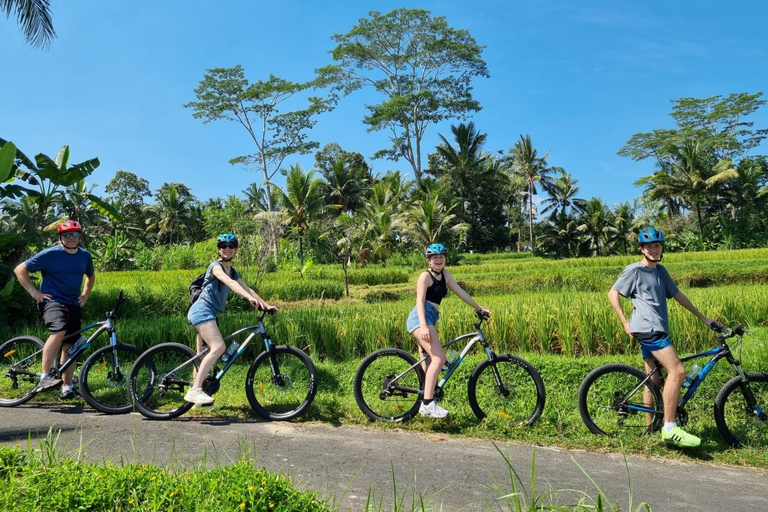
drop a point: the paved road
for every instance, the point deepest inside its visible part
(326, 459)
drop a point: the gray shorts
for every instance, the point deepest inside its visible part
(431, 313)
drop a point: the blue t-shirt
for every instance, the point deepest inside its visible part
(214, 293)
(62, 272)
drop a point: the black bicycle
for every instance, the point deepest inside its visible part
(389, 383)
(103, 376)
(280, 385)
(617, 399)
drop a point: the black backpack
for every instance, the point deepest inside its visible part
(198, 283)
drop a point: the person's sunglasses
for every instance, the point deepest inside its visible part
(73, 234)
(228, 246)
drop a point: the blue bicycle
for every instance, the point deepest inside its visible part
(617, 399)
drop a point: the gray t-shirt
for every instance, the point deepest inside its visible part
(649, 289)
(214, 293)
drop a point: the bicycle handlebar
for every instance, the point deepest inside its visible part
(725, 333)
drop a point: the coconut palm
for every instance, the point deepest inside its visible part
(525, 161)
(463, 162)
(562, 193)
(430, 220)
(171, 214)
(344, 188)
(301, 201)
(34, 17)
(596, 222)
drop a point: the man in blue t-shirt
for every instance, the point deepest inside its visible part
(60, 298)
(649, 285)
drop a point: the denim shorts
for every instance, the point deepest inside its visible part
(652, 341)
(201, 313)
(431, 313)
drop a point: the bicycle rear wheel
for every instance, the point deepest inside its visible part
(741, 411)
(104, 378)
(517, 398)
(388, 385)
(610, 404)
(21, 362)
(160, 378)
(289, 393)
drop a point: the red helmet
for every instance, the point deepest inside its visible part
(69, 226)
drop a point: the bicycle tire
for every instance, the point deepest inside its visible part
(288, 395)
(603, 403)
(739, 425)
(373, 377)
(103, 384)
(519, 403)
(16, 383)
(151, 392)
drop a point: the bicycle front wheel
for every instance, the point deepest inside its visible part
(160, 378)
(613, 402)
(286, 394)
(507, 388)
(104, 378)
(21, 363)
(388, 385)
(741, 411)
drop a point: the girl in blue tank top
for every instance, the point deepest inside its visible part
(431, 288)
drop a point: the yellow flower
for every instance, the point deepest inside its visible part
(138, 472)
(130, 501)
(263, 482)
(271, 505)
(242, 505)
(250, 487)
(153, 478)
(171, 495)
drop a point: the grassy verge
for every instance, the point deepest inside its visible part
(559, 425)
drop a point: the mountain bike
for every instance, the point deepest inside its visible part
(103, 376)
(611, 398)
(389, 383)
(280, 385)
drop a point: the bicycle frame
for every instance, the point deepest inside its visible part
(259, 328)
(717, 353)
(474, 337)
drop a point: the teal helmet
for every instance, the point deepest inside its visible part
(648, 235)
(227, 239)
(435, 249)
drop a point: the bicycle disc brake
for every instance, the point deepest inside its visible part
(681, 417)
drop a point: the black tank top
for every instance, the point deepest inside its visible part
(437, 290)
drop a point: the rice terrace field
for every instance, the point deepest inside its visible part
(554, 313)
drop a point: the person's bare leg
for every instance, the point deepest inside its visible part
(209, 331)
(436, 359)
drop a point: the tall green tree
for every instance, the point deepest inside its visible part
(525, 162)
(462, 162)
(301, 201)
(430, 220)
(562, 194)
(421, 66)
(172, 214)
(225, 94)
(596, 223)
(34, 18)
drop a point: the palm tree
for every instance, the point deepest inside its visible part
(624, 223)
(430, 220)
(34, 16)
(596, 223)
(463, 161)
(525, 162)
(382, 215)
(301, 201)
(562, 193)
(172, 214)
(560, 236)
(343, 188)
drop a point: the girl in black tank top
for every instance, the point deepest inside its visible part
(431, 288)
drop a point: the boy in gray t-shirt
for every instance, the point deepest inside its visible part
(649, 286)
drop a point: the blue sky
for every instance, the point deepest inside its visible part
(580, 77)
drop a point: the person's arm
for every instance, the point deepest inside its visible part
(687, 304)
(22, 274)
(615, 298)
(234, 285)
(459, 291)
(89, 281)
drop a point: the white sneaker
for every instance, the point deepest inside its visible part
(198, 396)
(433, 410)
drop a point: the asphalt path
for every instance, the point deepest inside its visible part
(347, 463)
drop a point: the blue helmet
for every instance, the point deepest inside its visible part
(227, 239)
(648, 235)
(435, 249)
